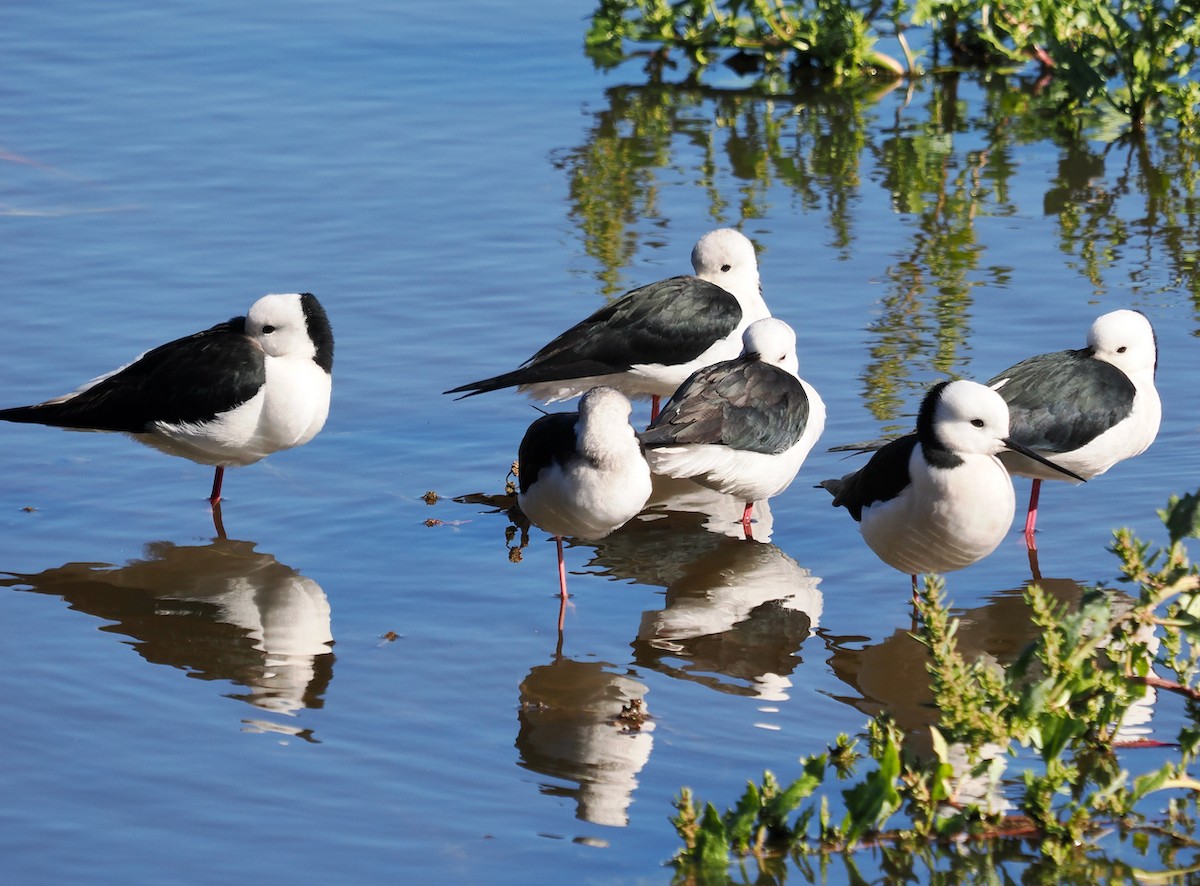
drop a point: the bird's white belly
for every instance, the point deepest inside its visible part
(663, 381)
(945, 520)
(288, 411)
(1125, 440)
(748, 476)
(630, 385)
(584, 501)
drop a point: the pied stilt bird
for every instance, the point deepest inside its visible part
(229, 395)
(649, 340)
(741, 426)
(1088, 408)
(582, 474)
(939, 499)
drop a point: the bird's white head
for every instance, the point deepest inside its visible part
(775, 343)
(605, 404)
(292, 325)
(967, 418)
(726, 257)
(1126, 340)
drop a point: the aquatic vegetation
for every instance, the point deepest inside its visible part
(1135, 56)
(1057, 712)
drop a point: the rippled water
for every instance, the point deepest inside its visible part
(359, 686)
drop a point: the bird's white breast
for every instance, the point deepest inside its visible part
(946, 519)
(749, 476)
(585, 501)
(289, 410)
(599, 488)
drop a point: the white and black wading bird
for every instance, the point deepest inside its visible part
(743, 426)
(1088, 408)
(652, 338)
(227, 396)
(939, 499)
(582, 474)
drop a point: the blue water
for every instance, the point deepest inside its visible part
(174, 708)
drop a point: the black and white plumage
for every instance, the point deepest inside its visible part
(229, 395)
(743, 426)
(652, 338)
(582, 474)
(939, 499)
(1088, 408)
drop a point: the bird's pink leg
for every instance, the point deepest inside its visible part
(216, 490)
(655, 402)
(562, 568)
(746, 520)
(1031, 514)
(562, 585)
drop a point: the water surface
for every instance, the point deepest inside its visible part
(359, 686)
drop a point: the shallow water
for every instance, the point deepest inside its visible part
(456, 193)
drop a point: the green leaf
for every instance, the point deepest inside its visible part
(1182, 517)
(712, 842)
(739, 823)
(872, 801)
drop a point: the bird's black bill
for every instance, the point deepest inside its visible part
(1029, 453)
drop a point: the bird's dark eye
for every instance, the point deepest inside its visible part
(977, 422)
(267, 330)
(1122, 349)
(725, 268)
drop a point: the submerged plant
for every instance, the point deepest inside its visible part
(1064, 699)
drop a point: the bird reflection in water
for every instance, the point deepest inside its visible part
(737, 611)
(584, 724)
(220, 611)
(721, 514)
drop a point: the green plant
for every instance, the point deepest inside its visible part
(1134, 55)
(831, 37)
(1063, 700)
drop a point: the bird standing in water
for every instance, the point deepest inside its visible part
(1088, 408)
(229, 395)
(939, 499)
(743, 426)
(582, 474)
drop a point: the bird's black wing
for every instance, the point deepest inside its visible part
(883, 478)
(742, 403)
(549, 439)
(1059, 402)
(672, 321)
(190, 379)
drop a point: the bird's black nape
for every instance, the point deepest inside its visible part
(319, 330)
(550, 439)
(936, 453)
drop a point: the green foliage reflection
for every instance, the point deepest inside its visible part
(942, 161)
